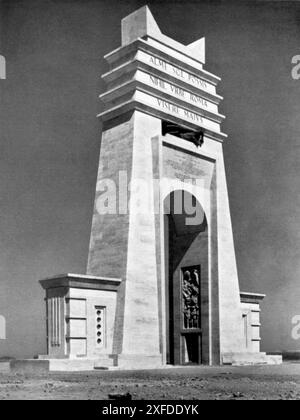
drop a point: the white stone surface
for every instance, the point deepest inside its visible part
(150, 80)
(141, 23)
(141, 323)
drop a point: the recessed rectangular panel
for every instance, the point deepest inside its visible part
(78, 347)
(100, 327)
(77, 308)
(190, 293)
(255, 332)
(77, 327)
(255, 318)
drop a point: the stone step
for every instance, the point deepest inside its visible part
(248, 359)
(104, 363)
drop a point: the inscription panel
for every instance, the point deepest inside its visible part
(176, 110)
(175, 71)
(176, 91)
(178, 164)
(175, 54)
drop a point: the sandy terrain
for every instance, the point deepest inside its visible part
(200, 383)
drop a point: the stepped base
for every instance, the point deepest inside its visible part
(36, 366)
(130, 362)
(249, 359)
(127, 362)
(45, 364)
(136, 361)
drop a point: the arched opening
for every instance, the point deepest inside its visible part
(186, 274)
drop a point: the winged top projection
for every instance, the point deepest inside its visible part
(141, 23)
(152, 73)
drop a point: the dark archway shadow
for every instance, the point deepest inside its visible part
(186, 249)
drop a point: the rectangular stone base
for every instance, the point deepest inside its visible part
(137, 361)
(45, 364)
(128, 362)
(35, 366)
(30, 366)
(240, 359)
(105, 360)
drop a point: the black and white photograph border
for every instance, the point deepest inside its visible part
(149, 224)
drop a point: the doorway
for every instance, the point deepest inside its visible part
(186, 274)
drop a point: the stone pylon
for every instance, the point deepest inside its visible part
(154, 80)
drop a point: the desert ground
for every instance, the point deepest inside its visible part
(198, 383)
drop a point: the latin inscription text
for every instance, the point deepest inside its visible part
(180, 111)
(175, 90)
(176, 71)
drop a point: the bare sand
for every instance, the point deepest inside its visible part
(199, 383)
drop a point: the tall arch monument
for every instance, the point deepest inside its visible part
(161, 285)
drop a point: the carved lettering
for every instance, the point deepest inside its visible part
(192, 116)
(196, 81)
(167, 105)
(158, 62)
(158, 82)
(177, 110)
(176, 71)
(197, 99)
(177, 91)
